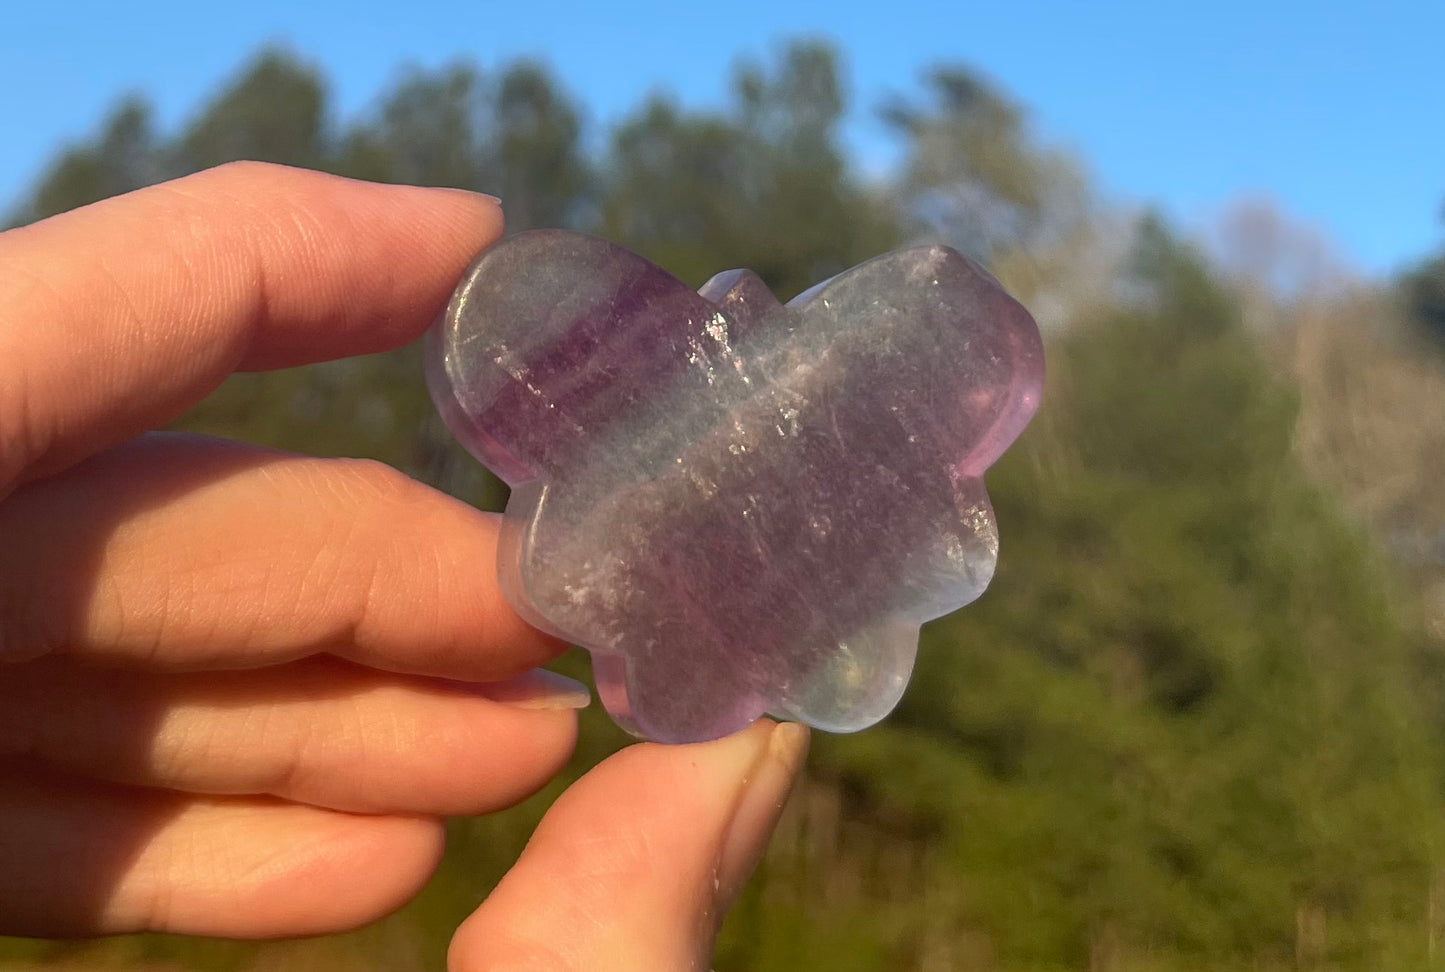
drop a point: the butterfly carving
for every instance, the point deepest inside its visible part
(737, 506)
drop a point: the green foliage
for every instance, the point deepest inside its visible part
(426, 132)
(121, 158)
(518, 137)
(973, 177)
(763, 185)
(1424, 289)
(1182, 716)
(275, 112)
(535, 144)
(1189, 725)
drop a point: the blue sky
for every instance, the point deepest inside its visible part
(1335, 109)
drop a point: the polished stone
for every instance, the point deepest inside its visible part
(738, 507)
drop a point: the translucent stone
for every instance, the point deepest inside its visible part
(738, 507)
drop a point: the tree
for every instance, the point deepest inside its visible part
(535, 147)
(517, 137)
(122, 157)
(973, 177)
(1174, 723)
(763, 185)
(1424, 290)
(1272, 254)
(275, 111)
(427, 131)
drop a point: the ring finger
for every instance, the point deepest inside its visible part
(89, 858)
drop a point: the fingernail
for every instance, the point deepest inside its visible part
(764, 794)
(537, 689)
(496, 201)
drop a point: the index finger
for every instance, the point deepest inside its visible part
(117, 317)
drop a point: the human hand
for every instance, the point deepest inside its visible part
(239, 689)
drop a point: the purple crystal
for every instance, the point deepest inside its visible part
(737, 507)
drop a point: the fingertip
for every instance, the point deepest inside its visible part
(631, 866)
(769, 784)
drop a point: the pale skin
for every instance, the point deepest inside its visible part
(240, 689)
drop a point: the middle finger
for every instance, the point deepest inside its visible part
(182, 552)
(321, 731)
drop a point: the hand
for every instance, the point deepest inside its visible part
(239, 689)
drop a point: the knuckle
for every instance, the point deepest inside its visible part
(25, 298)
(370, 481)
(245, 171)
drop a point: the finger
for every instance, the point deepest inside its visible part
(116, 317)
(634, 865)
(81, 859)
(186, 552)
(323, 732)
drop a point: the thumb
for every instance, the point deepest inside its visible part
(634, 866)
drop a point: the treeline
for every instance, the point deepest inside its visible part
(763, 182)
(1195, 723)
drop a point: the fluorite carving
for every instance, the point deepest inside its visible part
(738, 507)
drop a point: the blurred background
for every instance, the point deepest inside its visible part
(1198, 720)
